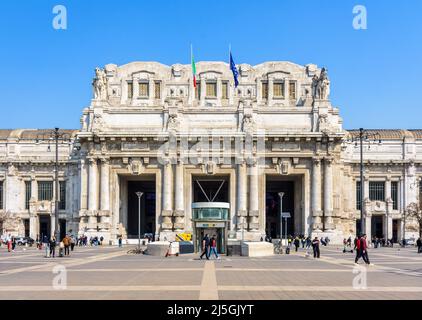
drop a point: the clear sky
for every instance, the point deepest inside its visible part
(46, 74)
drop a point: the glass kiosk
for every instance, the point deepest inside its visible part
(211, 218)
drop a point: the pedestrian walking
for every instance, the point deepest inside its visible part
(120, 242)
(296, 243)
(213, 247)
(52, 246)
(362, 250)
(66, 244)
(61, 249)
(419, 244)
(205, 247)
(9, 243)
(46, 244)
(315, 247)
(72, 243)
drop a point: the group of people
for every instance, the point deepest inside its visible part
(381, 242)
(361, 247)
(66, 245)
(10, 241)
(209, 247)
(83, 241)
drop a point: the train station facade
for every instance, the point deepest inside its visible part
(210, 158)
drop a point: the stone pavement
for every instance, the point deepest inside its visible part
(110, 273)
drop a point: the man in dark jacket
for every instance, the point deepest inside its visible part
(419, 244)
(53, 247)
(315, 247)
(205, 247)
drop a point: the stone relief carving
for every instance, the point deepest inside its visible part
(135, 166)
(100, 84)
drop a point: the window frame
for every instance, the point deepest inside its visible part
(62, 195)
(225, 90)
(43, 191)
(130, 89)
(28, 193)
(395, 194)
(264, 89)
(146, 84)
(214, 85)
(157, 84)
(283, 89)
(376, 192)
(294, 83)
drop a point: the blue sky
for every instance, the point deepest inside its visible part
(46, 74)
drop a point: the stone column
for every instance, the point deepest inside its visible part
(203, 91)
(135, 85)
(259, 90)
(179, 212)
(316, 196)
(105, 195)
(270, 90)
(387, 194)
(388, 219)
(328, 194)
(167, 212)
(368, 218)
(219, 91)
(253, 197)
(286, 91)
(241, 195)
(93, 195)
(84, 185)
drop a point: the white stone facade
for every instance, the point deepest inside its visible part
(148, 123)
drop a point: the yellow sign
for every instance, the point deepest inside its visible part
(184, 236)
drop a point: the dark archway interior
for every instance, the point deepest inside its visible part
(272, 207)
(148, 203)
(215, 188)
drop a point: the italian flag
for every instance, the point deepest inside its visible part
(194, 72)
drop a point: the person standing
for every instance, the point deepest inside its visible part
(358, 249)
(66, 243)
(46, 244)
(120, 242)
(297, 243)
(53, 247)
(213, 247)
(419, 244)
(315, 247)
(205, 245)
(9, 243)
(72, 243)
(364, 247)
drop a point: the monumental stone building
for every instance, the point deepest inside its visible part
(209, 158)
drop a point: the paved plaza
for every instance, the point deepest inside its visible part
(110, 273)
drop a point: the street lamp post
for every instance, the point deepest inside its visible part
(364, 135)
(57, 136)
(281, 194)
(139, 194)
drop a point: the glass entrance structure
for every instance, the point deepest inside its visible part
(211, 218)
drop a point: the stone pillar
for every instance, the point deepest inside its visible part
(368, 218)
(387, 194)
(219, 91)
(316, 196)
(388, 219)
(203, 91)
(328, 194)
(135, 85)
(270, 90)
(259, 90)
(179, 212)
(253, 197)
(84, 185)
(167, 212)
(105, 185)
(241, 195)
(286, 91)
(105, 195)
(93, 195)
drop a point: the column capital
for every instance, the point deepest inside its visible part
(316, 161)
(92, 160)
(105, 160)
(328, 160)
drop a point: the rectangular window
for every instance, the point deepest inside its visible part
(45, 190)
(292, 90)
(264, 90)
(130, 90)
(62, 199)
(143, 89)
(358, 199)
(157, 88)
(394, 194)
(1, 195)
(225, 88)
(198, 90)
(211, 89)
(377, 191)
(28, 193)
(278, 90)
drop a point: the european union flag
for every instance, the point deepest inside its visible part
(234, 70)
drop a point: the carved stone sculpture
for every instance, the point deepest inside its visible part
(100, 84)
(321, 85)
